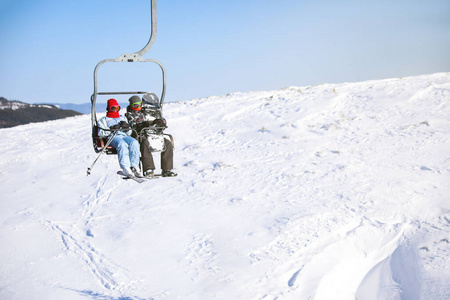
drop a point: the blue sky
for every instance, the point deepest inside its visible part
(49, 48)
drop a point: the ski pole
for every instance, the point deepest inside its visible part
(103, 151)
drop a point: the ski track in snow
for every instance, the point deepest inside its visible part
(112, 276)
(337, 191)
(109, 274)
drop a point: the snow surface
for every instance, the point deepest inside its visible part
(336, 191)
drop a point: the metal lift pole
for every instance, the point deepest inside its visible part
(153, 33)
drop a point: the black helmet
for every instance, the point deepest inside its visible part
(151, 99)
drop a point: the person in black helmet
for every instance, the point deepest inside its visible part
(148, 114)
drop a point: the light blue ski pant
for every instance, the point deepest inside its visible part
(127, 151)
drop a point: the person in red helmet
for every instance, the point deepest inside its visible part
(127, 147)
(140, 118)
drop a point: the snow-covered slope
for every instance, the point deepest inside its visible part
(337, 191)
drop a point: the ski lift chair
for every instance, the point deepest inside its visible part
(100, 143)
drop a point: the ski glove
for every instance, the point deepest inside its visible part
(124, 125)
(160, 123)
(147, 123)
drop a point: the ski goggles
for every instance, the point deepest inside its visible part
(136, 104)
(114, 108)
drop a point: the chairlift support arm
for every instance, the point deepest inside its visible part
(132, 57)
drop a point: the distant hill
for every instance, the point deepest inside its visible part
(13, 113)
(85, 108)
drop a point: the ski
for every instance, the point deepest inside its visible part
(137, 179)
(150, 178)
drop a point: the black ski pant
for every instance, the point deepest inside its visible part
(147, 157)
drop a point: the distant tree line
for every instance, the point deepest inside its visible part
(27, 113)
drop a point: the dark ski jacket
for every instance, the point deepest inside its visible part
(144, 118)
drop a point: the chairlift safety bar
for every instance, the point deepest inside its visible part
(120, 93)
